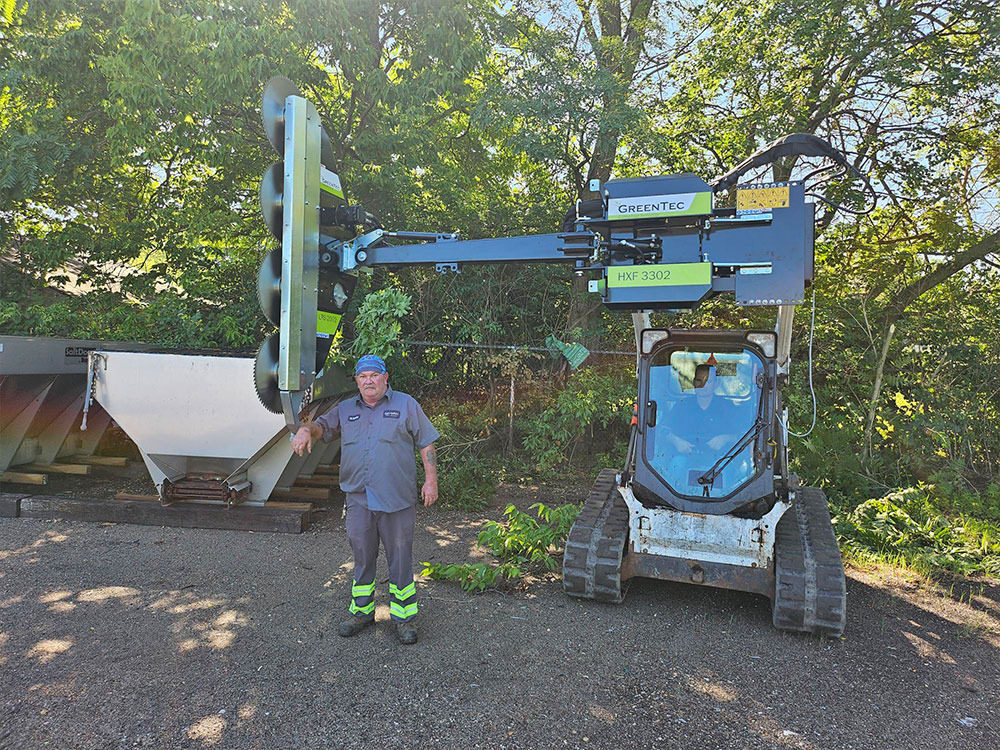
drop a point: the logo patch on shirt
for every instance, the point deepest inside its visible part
(354, 418)
(391, 413)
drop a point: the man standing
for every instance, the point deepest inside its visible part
(379, 431)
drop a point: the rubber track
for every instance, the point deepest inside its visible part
(592, 561)
(810, 593)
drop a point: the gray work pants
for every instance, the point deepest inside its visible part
(364, 530)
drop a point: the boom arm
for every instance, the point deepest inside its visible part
(650, 262)
(647, 244)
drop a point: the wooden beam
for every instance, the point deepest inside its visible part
(57, 468)
(101, 460)
(10, 504)
(330, 469)
(320, 481)
(156, 498)
(19, 477)
(317, 494)
(148, 511)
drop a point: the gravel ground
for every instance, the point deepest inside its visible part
(118, 636)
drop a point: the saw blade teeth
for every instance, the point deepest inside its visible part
(265, 374)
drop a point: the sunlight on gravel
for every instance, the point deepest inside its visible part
(208, 730)
(927, 650)
(106, 592)
(47, 650)
(197, 604)
(47, 537)
(54, 596)
(712, 690)
(247, 711)
(57, 601)
(973, 621)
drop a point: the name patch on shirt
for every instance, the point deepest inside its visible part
(354, 418)
(391, 413)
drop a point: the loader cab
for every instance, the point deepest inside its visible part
(706, 439)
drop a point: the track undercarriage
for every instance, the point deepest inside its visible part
(805, 579)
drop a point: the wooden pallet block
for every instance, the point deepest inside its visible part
(101, 460)
(58, 468)
(10, 504)
(316, 494)
(317, 481)
(146, 510)
(270, 503)
(20, 477)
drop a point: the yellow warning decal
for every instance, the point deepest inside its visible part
(761, 198)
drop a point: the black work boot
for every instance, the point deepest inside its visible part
(353, 625)
(406, 632)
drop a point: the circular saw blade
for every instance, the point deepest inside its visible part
(272, 114)
(272, 110)
(272, 191)
(265, 374)
(269, 286)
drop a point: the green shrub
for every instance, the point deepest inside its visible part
(589, 399)
(524, 539)
(522, 543)
(467, 483)
(908, 527)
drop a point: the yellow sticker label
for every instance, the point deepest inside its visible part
(327, 323)
(760, 199)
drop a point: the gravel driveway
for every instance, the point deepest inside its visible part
(118, 636)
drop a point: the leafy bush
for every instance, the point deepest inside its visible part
(907, 527)
(377, 325)
(521, 542)
(525, 540)
(472, 576)
(590, 398)
(467, 483)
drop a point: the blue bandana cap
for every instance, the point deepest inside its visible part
(370, 363)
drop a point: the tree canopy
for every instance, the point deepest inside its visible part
(131, 152)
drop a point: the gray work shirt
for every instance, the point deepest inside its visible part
(377, 444)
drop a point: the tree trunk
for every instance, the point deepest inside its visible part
(866, 451)
(629, 32)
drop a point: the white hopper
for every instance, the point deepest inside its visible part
(199, 415)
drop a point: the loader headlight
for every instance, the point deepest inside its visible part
(651, 337)
(766, 340)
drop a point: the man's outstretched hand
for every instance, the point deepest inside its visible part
(303, 440)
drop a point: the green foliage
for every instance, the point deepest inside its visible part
(467, 479)
(476, 577)
(522, 543)
(467, 483)
(908, 527)
(377, 326)
(589, 399)
(526, 539)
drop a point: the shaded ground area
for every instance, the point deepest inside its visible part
(125, 636)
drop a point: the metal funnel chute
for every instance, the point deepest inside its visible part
(42, 388)
(198, 419)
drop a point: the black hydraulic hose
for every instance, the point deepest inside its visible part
(796, 144)
(630, 454)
